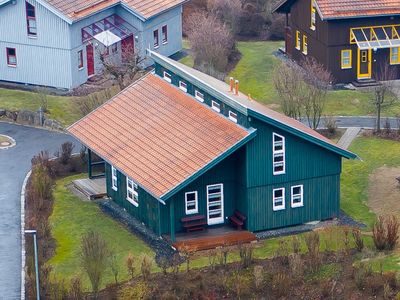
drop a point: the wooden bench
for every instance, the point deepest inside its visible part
(194, 223)
(237, 219)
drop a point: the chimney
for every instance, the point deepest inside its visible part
(231, 84)
(236, 87)
(249, 97)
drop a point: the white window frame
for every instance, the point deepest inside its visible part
(292, 196)
(164, 41)
(133, 190)
(167, 77)
(216, 106)
(233, 116)
(183, 86)
(196, 203)
(199, 96)
(274, 152)
(114, 178)
(274, 199)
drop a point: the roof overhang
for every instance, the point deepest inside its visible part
(283, 6)
(376, 37)
(5, 2)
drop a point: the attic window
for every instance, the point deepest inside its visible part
(31, 19)
(216, 106)
(313, 15)
(183, 86)
(233, 116)
(167, 77)
(199, 96)
(278, 154)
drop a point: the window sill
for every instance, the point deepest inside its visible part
(297, 48)
(312, 28)
(278, 208)
(297, 205)
(191, 212)
(132, 202)
(80, 69)
(114, 188)
(347, 68)
(183, 89)
(164, 43)
(156, 47)
(32, 37)
(395, 64)
(279, 173)
(305, 53)
(167, 79)
(12, 66)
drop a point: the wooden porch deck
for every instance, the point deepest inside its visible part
(212, 238)
(91, 188)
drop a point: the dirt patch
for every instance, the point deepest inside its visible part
(384, 191)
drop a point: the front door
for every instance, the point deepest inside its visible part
(90, 59)
(127, 47)
(364, 64)
(215, 204)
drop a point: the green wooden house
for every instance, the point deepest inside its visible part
(178, 143)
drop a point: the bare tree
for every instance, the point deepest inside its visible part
(384, 92)
(84, 105)
(94, 258)
(128, 65)
(289, 85)
(211, 41)
(302, 90)
(228, 11)
(318, 79)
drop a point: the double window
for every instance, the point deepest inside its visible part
(395, 56)
(11, 57)
(31, 19)
(164, 34)
(191, 203)
(278, 154)
(132, 194)
(114, 179)
(156, 41)
(278, 199)
(297, 196)
(346, 59)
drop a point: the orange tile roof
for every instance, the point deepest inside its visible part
(76, 9)
(357, 8)
(156, 134)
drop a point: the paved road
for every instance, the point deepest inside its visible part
(363, 122)
(14, 165)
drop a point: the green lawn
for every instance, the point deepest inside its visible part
(255, 73)
(73, 217)
(374, 153)
(60, 107)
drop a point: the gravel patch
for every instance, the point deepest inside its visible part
(343, 220)
(160, 246)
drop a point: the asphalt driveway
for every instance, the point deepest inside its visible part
(14, 165)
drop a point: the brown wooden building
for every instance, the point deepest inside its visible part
(352, 38)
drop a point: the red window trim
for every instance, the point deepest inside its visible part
(164, 31)
(9, 56)
(156, 39)
(28, 28)
(80, 59)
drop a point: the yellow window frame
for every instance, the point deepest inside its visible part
(313, 16)
(305, 45)
(297, 40)
(395, 61)
(350, 57)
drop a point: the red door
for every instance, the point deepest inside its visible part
(127, 47)
(90, 59)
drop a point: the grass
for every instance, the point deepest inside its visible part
(59, 107)
(255, 73)
(374, 153)
(71, 218)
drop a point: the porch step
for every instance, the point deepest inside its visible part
(212, 242)
(366, 83)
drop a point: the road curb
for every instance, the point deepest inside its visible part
(23, 254)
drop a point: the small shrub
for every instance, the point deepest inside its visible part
(346, 239)
(130, 265)
(114, 266)
(390, 278)
(223, 253)
(239, 283)
(75, 291)
(164, 263)
(283, 251)
(258, 273)
(378, 234)
(66, 152)
(246, 255)
(358, 240)
(387, 291)
(145, 267)
(392, 231)
(296, 244)
(387, 126)
(139, 290)
(212, 258)
(313, 243)
(82, 155)
(375, 283)
(281, 283)
(331, 125)
(296, 265)
(360, 276)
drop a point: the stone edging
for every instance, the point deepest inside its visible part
(23, 254)
(13, 142)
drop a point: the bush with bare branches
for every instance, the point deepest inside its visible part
(385, 232)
